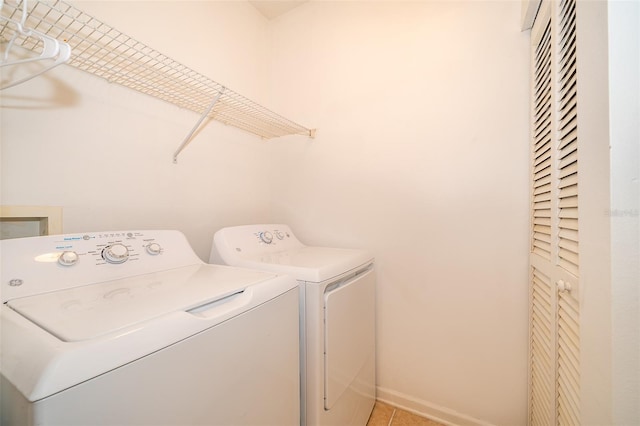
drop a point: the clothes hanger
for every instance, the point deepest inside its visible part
(53, 50)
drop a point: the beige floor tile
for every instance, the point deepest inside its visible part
(405, 418)
(381, 414)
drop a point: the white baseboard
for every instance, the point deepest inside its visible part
(426, 409)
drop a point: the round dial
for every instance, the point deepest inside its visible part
(115, 253)
(279, 234)
(266, 237)
(68, 258)
(154, 249)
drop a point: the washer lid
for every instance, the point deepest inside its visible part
(91, 311)
(313, 264)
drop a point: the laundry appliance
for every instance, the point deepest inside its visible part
(337, 316)
(132, 328)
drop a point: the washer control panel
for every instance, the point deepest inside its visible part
(39, 264)
(106, 248)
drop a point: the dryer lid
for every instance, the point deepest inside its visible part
(92, 311)
(312, 264)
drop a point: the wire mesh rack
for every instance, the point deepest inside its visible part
(105, 52)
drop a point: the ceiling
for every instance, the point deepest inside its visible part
(271, 9)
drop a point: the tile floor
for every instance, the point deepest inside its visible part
(388, 415)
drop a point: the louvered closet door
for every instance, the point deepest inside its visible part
(554, 381)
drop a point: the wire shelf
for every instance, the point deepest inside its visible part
(107, 53)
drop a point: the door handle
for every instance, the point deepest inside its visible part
(563, 286)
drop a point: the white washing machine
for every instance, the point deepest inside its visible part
(132, 328)
(337, 315)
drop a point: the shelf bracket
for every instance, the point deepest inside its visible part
(186, 140)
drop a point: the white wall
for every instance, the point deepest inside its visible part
(104, 153)
(421, 156)
(624, 108)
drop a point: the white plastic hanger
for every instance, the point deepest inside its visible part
(57, 51)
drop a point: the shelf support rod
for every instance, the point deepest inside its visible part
(186, 140)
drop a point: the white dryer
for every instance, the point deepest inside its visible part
(337, 316)
(132, 328)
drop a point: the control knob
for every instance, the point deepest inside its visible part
(266, 237)
(154, 249)
(280, 235)
(115, 253)
(68, 258)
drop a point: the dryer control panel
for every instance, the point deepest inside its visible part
(42, 264)
(253, 240)
(274, 236)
